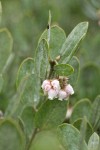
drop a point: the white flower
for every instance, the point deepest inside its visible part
(62, 95)
(45, 82)
(69, 89)
(55, 84)
(52, 94)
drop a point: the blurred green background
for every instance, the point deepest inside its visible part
(26, 20)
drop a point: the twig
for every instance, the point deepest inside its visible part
(30, 142)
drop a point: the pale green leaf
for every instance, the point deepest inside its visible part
(28, 73)
(93, 143)
(72, 42)
(41, 59)
(28, 86)
(51, 114)
(26, 69)
(27, 118)
(81, 108)
(89, 129)
(6, 43)
(83, 128)
(69, 137)
(57, 38)
(15, 104)
(11, 136)
(95, 113)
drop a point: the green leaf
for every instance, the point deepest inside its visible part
(72, 42)
(82, 133)
(95, 113)
(15, 104)
(51, 114)
(63, 69)
(6, 43)
(27, 118)
(28, 89)
(1, 82)
(74, 62)
(28, 73)
(57, 38)
(26, 69)
(41, 59)
(69, 137)
(46, 140)
(93, 143)
(11, 136)
(89, 130)
(81, 108)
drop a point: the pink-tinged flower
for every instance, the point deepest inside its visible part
(69, 89)
(55, 84)
(45, 82)
(62, 95)
(47, 87)
(52, 94)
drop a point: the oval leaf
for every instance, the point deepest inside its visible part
(70, 45)
(89, 130)
(95, 113)
(28, 88)
(81, 109)
(93, 143)
(41, 59)
(11, 136)
(27, 117)
(28, 73)
(64, 69)
(69, 137)
(51, 114)
(57, 38)
(74, 62)
(6, 43)
(46, 140)
(26, 69)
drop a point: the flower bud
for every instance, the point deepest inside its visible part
(52, 94)
(62, 95)
(69, 89)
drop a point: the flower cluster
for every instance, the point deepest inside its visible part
(53, 89)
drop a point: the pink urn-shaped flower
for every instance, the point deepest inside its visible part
(62, 95)
(52, 94)
(55, 84)
(69, 89)
(53, 90)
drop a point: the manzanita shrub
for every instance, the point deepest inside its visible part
(37, 117)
